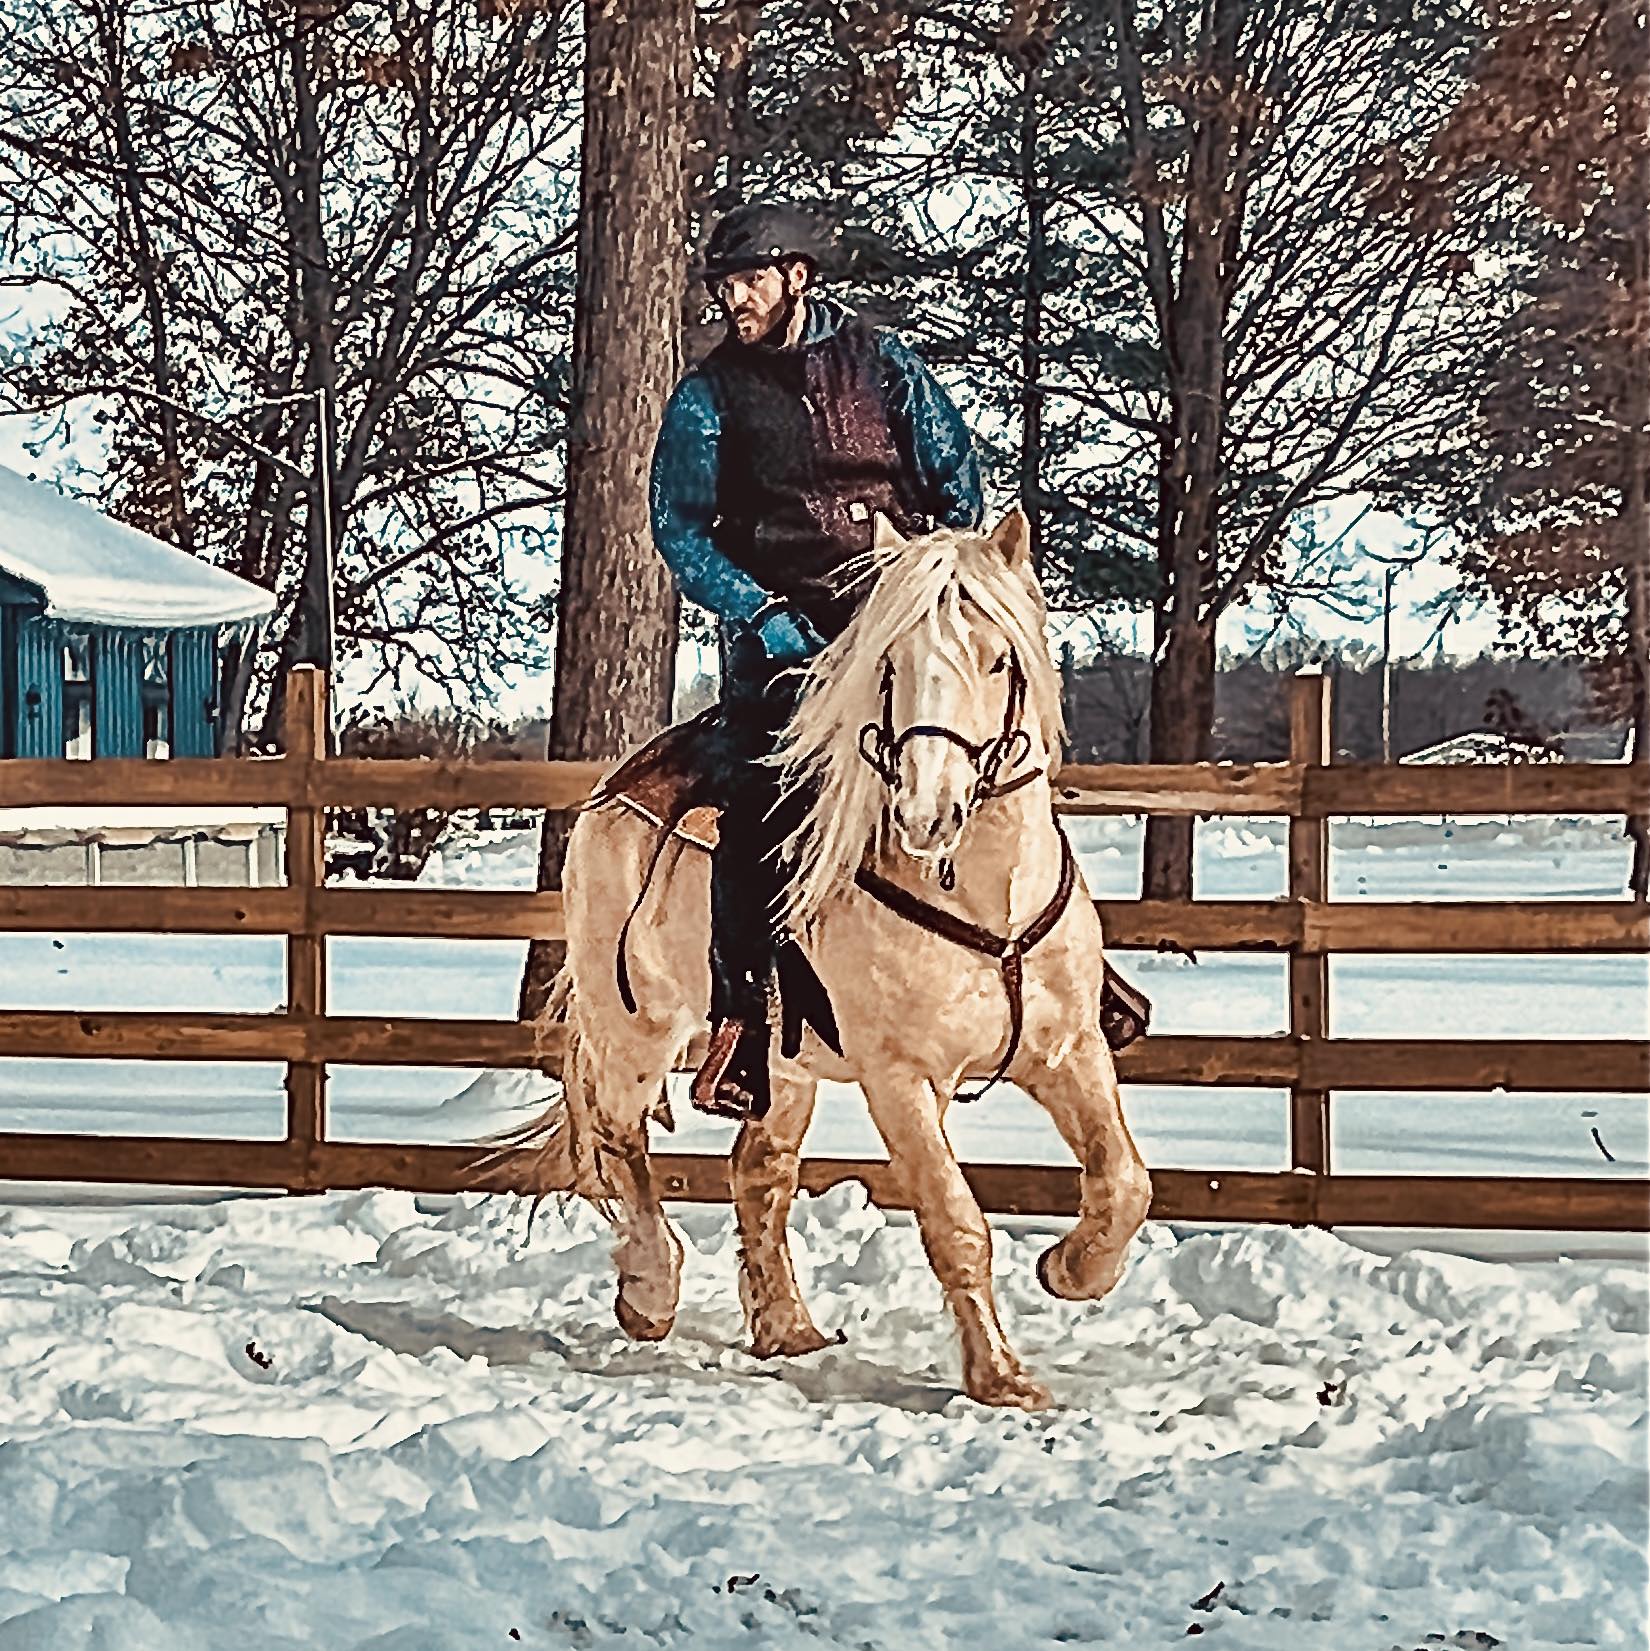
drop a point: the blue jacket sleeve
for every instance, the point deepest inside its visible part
(928, 426)
(683, 500)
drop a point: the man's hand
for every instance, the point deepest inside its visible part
(788, 639)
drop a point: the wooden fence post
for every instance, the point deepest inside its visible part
(306, 946)
(1310, 743)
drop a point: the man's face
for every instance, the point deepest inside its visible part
(755, 299)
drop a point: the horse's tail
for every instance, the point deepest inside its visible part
(549, 1136)
(559, 1142)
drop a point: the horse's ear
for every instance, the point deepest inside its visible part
(1012, 538)
(884, 535)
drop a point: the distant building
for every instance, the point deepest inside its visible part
(110, 640)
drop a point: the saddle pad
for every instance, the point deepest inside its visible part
(663, 781)
(697, 826)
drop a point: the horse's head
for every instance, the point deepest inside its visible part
(951, 729)
(939, 696)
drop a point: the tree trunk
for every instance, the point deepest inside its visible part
(1635, 508)
(1188, 508)
(1182, 730)
(616, 616)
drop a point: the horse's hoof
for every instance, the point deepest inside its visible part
(637, 1326)
(1013, 1390)
(1055, 1277)
(792, 1344)
(1045, 1275)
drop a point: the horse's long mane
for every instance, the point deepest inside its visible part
(944, 581)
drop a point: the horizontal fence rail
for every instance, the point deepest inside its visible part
(1284, 790)
(1305, 926)
(1370, 926)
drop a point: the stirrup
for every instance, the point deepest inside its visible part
(728, 1092)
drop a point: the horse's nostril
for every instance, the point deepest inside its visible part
(956, 816)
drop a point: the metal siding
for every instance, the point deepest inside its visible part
(8, 679)
(39, 655)
(194, 691)
(117, 694)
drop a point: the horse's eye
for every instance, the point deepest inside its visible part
(1000, 665)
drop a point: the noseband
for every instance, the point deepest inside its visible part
(880, 746)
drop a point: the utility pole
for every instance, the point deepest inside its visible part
(319, 627)
(1386, 664)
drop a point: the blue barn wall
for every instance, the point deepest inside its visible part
(31, 663)
(16, 599)
(8, 690)
(194, 669)
(31, 682)
(38, 686)
(117, 694)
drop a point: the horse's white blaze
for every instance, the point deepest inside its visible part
(934, 777)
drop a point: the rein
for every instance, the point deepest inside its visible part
(1009, 951)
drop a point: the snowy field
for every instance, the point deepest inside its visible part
(387, 1423)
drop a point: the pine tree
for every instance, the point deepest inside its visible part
(616, 619)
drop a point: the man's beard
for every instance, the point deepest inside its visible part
(778, 328)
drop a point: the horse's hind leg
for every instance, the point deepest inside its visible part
(766, 1159)
(621, 1088)
(954, 1232)
(1081, 1096)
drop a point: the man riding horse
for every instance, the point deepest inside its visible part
(775, 456)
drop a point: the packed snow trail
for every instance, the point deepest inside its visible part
(374, 1421)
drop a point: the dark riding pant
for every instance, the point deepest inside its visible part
(747, 876)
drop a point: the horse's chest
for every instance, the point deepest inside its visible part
(941, 1003)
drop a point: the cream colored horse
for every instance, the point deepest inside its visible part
(948, 639)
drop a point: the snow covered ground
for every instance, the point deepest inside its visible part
(375, 1422)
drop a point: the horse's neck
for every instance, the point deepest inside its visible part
(1007, 866)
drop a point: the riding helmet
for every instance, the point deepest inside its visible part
(761, 233)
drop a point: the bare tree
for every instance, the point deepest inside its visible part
(259, 240)
(1555, 517)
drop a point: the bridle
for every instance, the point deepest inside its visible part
(880, 746)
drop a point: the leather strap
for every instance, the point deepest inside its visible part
(1010, 951)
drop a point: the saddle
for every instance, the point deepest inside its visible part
(668, 783)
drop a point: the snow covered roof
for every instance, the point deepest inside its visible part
(95, 570)
(1482, 745)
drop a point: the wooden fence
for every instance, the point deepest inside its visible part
(1311, 1065)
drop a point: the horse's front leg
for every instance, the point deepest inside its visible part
(766, 1161)
(1080, 1094)
(906, 1111)
(623, 1089)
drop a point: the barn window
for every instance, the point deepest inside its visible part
(157, 697)
(77, 695)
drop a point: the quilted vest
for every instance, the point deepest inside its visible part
(806, 459)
